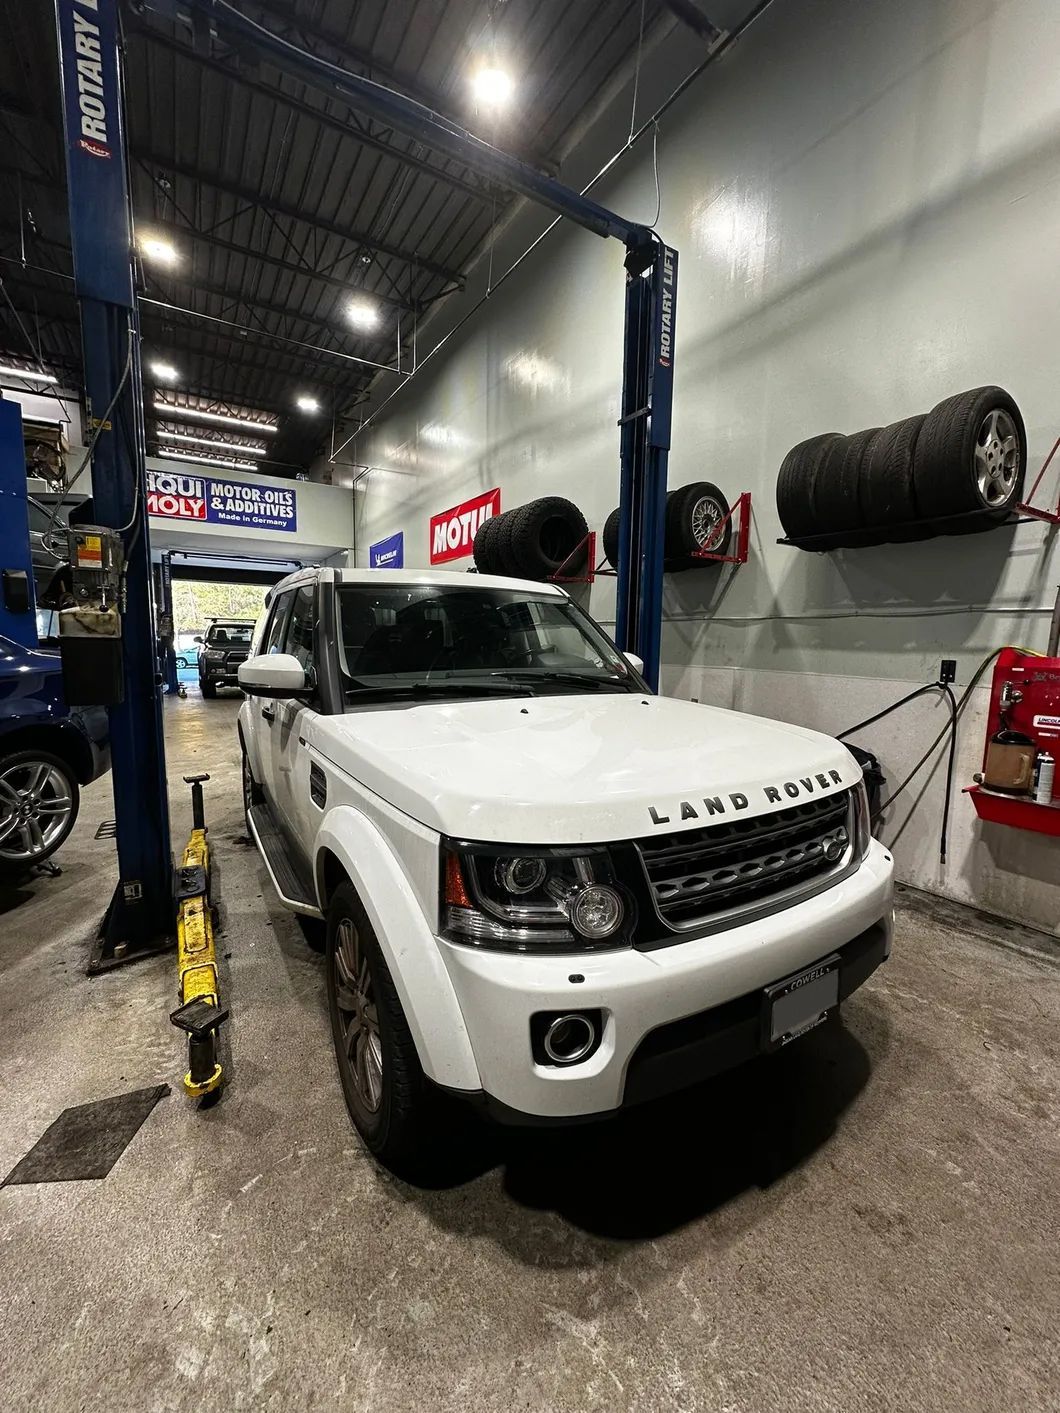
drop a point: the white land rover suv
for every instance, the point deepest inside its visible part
(546, 889)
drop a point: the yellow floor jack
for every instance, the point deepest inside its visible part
(200, 1013)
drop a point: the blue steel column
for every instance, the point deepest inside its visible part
(647, 407)
(168, 649)
(101, 235)
(15, 553)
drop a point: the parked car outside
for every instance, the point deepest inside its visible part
(226, 645)
(48, 751)
(186, 649)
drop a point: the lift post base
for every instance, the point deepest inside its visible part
(128, 933)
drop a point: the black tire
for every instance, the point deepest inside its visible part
(208, 689)
(610, 537)
(697, 518)
(401, 1130)
(252, 791)
(836, 492)
(888, 498)
(796, 481)
(483, 546)
(547, 536)
(18, 772)
(500, 544)
(961, 467)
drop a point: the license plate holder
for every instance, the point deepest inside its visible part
(793, 1007)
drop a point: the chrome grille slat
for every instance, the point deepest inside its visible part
(739, 864)
(742, 831)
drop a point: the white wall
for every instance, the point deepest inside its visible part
(865, 198)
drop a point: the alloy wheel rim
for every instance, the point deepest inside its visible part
(361, 1044)
(997, 457)
(706, 523)
(35, 807)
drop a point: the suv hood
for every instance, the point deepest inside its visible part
(579, 769)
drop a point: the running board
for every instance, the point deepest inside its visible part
(275, 853)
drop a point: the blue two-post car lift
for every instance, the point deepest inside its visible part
(101, 236)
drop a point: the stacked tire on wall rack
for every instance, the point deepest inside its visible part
(536, 541)
(697, 519)
(955, 470)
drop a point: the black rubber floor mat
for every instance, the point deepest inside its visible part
(86, 1142)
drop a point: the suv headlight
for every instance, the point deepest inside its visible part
(862, 820)
(530, 900)
(215, 655)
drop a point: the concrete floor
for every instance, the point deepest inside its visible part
(870, 1222)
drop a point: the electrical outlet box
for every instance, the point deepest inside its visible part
(948, 672)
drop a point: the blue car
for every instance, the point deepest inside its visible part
(47, 752)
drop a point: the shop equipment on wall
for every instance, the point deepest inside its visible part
(1023, 728)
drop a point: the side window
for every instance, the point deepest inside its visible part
(270, 643)
(300, 626)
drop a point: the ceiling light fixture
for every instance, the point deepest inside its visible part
(158, 251)
(181, 414)
(207, 460)
(32, 374)
(362, 314)
(307, 404)
(492, 87)
(165, 372)
(244, 449)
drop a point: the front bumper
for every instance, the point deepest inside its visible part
(672, 1016)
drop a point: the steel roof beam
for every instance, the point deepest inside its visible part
(275, 208)
(153, 313)
(275, 262)
(343, 127)
(405, 115)
(254, 198)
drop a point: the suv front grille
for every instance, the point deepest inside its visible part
(697, 875)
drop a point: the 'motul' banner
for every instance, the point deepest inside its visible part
(453, 531)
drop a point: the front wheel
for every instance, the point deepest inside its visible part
(386, 1093)
(208, 690)
(39, 800)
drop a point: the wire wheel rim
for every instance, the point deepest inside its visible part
(706, 523)
(997, 457)
(36, 803)
(361, 1046)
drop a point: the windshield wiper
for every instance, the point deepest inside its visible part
(530, 675)
(440, 688)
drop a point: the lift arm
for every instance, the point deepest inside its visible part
(651, 291)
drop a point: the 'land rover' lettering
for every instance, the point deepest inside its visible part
(737, 800)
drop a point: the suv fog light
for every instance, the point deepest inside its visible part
(596, 911)
(569, 1038)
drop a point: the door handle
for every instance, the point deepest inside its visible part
(269, 716)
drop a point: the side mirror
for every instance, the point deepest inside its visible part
(274, 675)
(637, 663)
(197, 638)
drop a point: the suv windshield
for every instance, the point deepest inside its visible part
(229, 635)
(421, 637)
